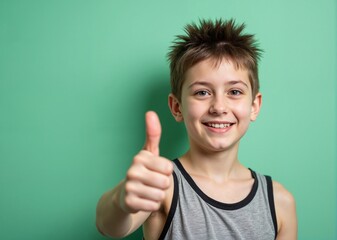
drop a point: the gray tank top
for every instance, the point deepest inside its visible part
(194, 215)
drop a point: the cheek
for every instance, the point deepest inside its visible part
(243, 111)
(191, 110)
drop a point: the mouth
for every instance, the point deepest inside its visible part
(218, 125)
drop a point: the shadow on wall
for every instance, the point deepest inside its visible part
(173, 140)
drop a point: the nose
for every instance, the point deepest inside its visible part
(218, 106)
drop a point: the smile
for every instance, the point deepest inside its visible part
(219, 125)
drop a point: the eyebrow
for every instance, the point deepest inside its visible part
(206, 83)
(233, 82)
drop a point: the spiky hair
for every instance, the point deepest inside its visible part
(216, 40)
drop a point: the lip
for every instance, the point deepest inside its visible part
(218, 126)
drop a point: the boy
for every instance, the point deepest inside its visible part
(206, 193)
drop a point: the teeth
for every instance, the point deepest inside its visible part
(218, 125)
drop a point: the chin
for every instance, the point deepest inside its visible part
(221, 147)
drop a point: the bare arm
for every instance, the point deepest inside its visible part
(112, 220)
(285, 212)
(123, 209)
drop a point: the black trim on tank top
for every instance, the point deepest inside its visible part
(213, 202)
(172, 208)
(271, 202)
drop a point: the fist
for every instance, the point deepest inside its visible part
(149, 175)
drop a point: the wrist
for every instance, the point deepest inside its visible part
(118, 199)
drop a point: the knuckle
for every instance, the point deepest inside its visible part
(167, 166)
(157, 195)
(156, 206)
(170, 167)
(161, 196)
(152, 206)
(130, 174)
(138, 159)
(128, 187)
(164, 183)
(129, 202)
(134, 173)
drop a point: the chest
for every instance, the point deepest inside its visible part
(225, 192)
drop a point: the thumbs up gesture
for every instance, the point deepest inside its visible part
(149, 175)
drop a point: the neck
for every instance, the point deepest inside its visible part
(224, 164)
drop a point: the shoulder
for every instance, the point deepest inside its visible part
(282, 196)
(285, 207)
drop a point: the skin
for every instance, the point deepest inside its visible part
(217, 107)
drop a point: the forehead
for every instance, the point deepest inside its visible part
(217, 72)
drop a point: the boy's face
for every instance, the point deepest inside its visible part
(216, 105)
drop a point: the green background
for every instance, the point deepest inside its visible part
(76, 78)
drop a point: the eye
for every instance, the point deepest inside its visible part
(235, 92)
(202, 93)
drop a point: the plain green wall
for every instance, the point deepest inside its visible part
(76, 78)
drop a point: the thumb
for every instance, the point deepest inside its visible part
(153, 132)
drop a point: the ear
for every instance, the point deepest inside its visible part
(175, 108)
(256, 106)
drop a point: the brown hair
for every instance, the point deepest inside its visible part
(213, 40)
